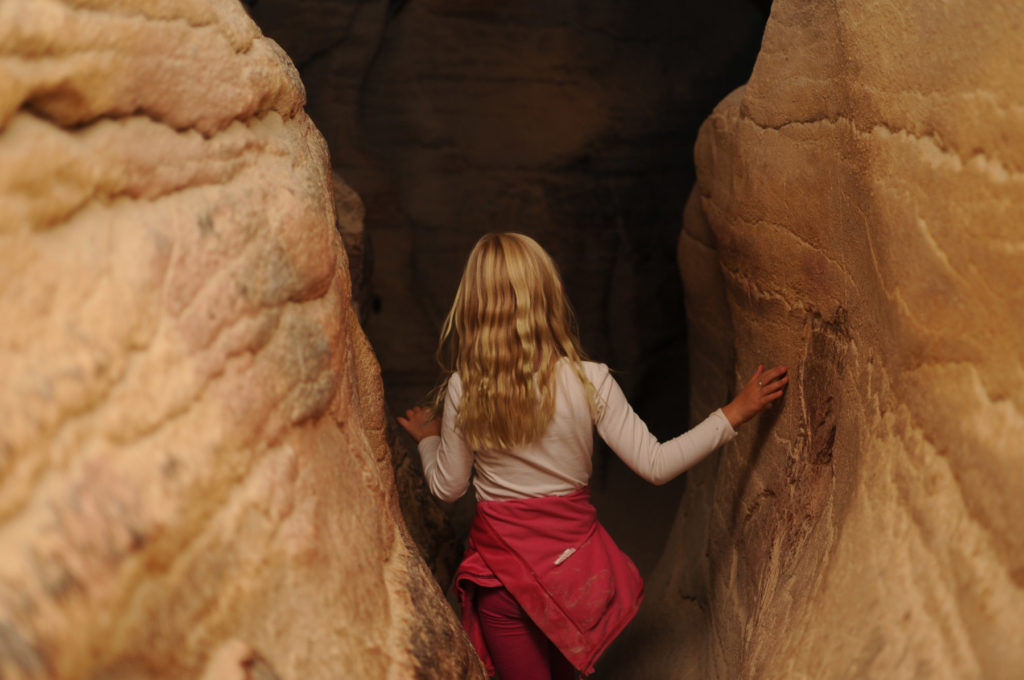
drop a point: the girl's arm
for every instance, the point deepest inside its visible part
(627, 434)
(447, 459)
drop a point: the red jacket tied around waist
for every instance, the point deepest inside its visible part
(560, 565)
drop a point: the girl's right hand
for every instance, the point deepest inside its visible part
(757, 395)
(419, 421)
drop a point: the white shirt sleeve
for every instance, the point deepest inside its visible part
(627, 435)
(447, 460)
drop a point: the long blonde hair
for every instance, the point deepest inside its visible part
(509, 326)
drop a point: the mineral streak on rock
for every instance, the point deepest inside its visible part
(193, 464)
(863, 196)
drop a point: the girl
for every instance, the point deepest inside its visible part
(543, 588)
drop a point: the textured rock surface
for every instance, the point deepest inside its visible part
(349, 213)
(194, 478)
(423, 514)
(864, 197)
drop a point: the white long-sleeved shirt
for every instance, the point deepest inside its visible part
(560, 462)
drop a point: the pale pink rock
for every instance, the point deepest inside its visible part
(194, 474)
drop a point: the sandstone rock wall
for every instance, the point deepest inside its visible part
(863, 199)
(194, 479)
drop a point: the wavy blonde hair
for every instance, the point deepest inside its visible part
(509, 326)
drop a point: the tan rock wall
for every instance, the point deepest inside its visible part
(193, 467)
(864, 198)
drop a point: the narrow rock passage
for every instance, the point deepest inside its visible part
(228, 235)
(573, 124)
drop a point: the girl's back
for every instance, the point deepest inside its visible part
(558, 463)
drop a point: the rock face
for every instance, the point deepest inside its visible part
(194, 479)
(860, 202)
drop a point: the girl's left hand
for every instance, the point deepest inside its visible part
(419, 421)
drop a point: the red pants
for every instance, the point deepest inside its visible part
(519, 650)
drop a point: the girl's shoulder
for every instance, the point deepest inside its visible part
(595, 371)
